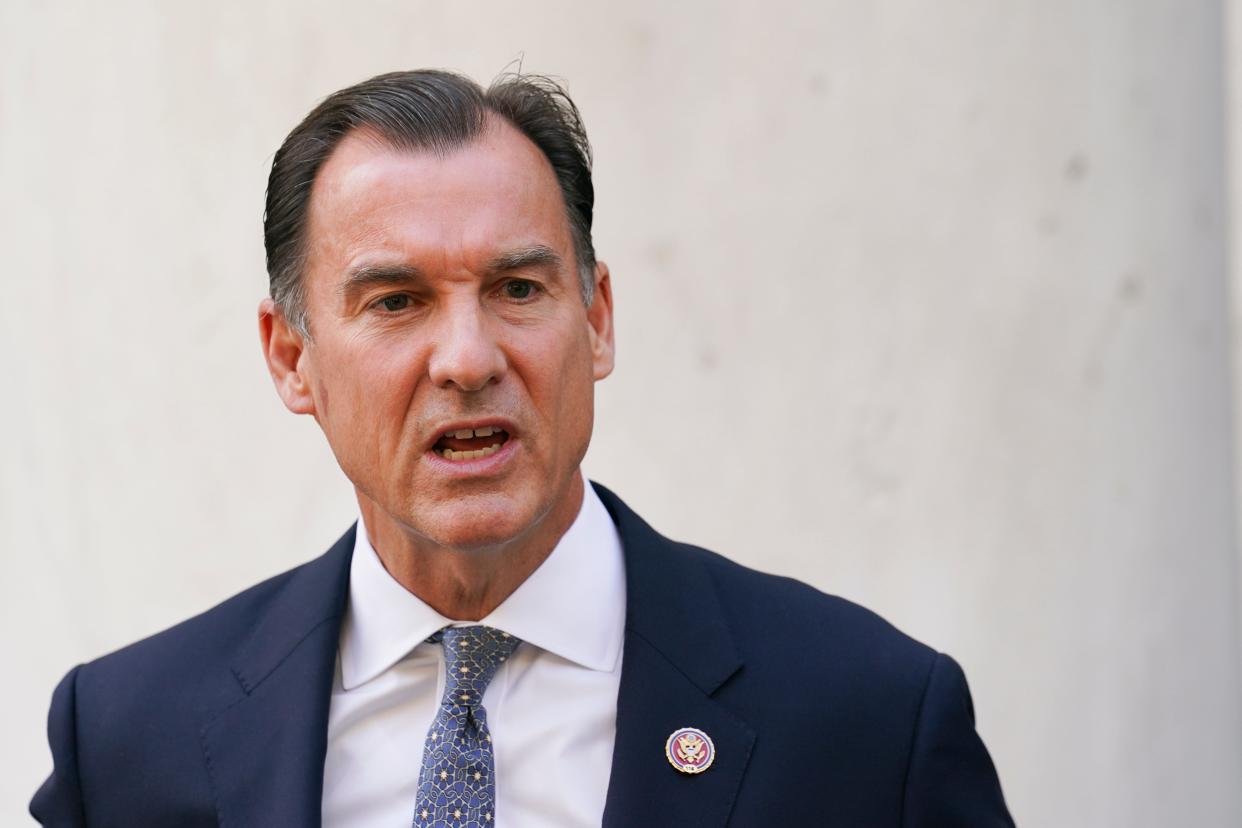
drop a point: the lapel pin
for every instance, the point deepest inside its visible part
(690, 750)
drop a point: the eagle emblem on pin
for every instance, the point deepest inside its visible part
(690, 750)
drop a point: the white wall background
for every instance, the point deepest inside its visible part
(924, 303)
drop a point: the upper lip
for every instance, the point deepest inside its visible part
(480, 422)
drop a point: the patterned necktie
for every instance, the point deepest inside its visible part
(456, 785)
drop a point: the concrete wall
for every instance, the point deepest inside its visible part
(923, 303)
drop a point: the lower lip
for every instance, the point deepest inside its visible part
(477, 466)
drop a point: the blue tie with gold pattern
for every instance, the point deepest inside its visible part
(456, 785)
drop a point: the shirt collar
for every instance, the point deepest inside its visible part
(573, 605)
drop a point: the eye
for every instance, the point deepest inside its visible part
(519, 289)
(396, 302)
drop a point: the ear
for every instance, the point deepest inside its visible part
(599, 318)
(285, 350)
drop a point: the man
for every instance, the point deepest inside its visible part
(495, 642)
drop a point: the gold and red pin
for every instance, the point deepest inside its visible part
(690, 750)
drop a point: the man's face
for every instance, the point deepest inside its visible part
(443, 299)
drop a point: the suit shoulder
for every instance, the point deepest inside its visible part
(198, 644)
(766, 608)
(216, 627)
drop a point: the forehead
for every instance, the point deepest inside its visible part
(371, 198)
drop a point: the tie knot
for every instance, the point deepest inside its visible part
(472, 655)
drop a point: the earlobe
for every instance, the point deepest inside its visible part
(284, 349)
(599, 318)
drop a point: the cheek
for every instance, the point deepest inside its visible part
(323, 395)
(367, 387)
(566, 388)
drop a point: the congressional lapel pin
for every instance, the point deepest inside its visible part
(690, 750)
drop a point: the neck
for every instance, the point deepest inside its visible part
(466, 584)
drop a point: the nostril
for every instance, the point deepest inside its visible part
(466, 360)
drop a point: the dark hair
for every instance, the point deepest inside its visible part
(432, 110)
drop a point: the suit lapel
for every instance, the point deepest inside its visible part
(678, 652)
(265, 751)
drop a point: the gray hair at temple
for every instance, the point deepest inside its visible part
(423, 110)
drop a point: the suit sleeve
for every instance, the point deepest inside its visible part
(951, 782)
(58, 802)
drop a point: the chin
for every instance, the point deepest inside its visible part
(476, 523)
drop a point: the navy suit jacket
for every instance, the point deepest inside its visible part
(821, 713)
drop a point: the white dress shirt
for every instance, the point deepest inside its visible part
(551, 708)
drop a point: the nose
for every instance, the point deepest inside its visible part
(465, 352)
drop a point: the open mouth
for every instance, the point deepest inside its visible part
(470, 443)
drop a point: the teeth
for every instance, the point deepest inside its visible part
(467, 433)
(449, 454)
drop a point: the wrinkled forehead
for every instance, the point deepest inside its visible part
(493, 191)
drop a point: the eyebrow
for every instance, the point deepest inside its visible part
(537, 255)
(360, 278)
